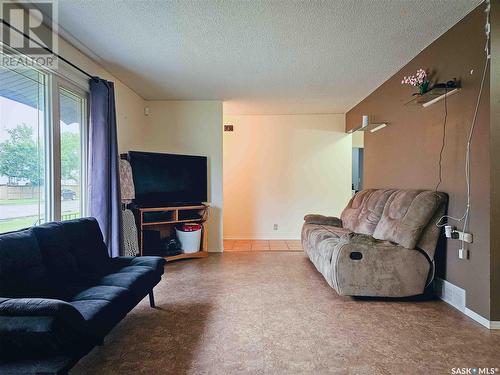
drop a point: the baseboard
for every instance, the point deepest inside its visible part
(456, 297)
(260, 238)
(450, 293)
(495, 324)
(478, 318)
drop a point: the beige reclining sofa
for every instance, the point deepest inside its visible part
(383, 244)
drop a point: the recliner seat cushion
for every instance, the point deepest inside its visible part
(364, 210)
(22, 272)
(406, 214)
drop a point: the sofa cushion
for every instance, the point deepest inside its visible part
(87, 244)
(335, 231)
(71, 248)
(156, 263)
(101, 315)
(22, 272)
(61, 264)
(364, 210)
(406, 214)
(102, 307)
(138, 279)
(101, 292)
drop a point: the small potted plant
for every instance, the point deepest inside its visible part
(420, 80)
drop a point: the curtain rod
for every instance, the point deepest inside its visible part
(47, 49)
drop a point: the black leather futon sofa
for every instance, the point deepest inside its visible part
(60, 294)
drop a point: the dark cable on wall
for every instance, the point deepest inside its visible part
(443, 143)
(465, 218)
(45, 48)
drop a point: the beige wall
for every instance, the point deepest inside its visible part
(129, 106)
(277, 168)
(194, 128)
(184, 127)
(495, 160)
(358, 139)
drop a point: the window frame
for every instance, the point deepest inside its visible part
(54, 81)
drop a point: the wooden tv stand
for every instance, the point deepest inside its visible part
(165, 219)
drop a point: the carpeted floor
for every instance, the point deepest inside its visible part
(272, 313)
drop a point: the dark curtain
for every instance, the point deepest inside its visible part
(104, 164)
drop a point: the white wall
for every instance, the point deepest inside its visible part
(277, 168)
(194, 128)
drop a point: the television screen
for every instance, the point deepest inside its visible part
(163, 179)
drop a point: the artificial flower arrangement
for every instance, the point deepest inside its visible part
(420, 80)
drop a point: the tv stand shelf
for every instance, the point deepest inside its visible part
(166, 218)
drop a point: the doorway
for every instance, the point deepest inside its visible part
(357, 161)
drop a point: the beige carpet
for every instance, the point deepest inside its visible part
(272, 313)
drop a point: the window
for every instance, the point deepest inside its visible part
(72, 120)
(43, 133)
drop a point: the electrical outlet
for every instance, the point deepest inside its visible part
(453, 233)
(466, 237)
(463, 254)
(275, 226)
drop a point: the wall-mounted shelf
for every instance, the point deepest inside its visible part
(433, 96)
(372, 127)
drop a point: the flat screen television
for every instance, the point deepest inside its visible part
(168, 179)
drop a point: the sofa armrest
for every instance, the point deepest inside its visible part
(323, 220)
(40, 307)
(364, 266)
(34, 327)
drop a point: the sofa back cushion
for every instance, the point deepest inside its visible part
(22, 272)
(87, 245)
(406, 214)
(54, 246)
(72, 249)
(364, 210)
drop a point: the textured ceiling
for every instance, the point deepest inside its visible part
(269, 56)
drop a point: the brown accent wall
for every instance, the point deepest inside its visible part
(406, 153)
(495, 160)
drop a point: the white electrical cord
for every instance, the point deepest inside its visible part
(465, 216)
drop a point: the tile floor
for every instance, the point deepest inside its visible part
(262, 245)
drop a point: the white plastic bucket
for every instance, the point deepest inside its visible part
(190, 241)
